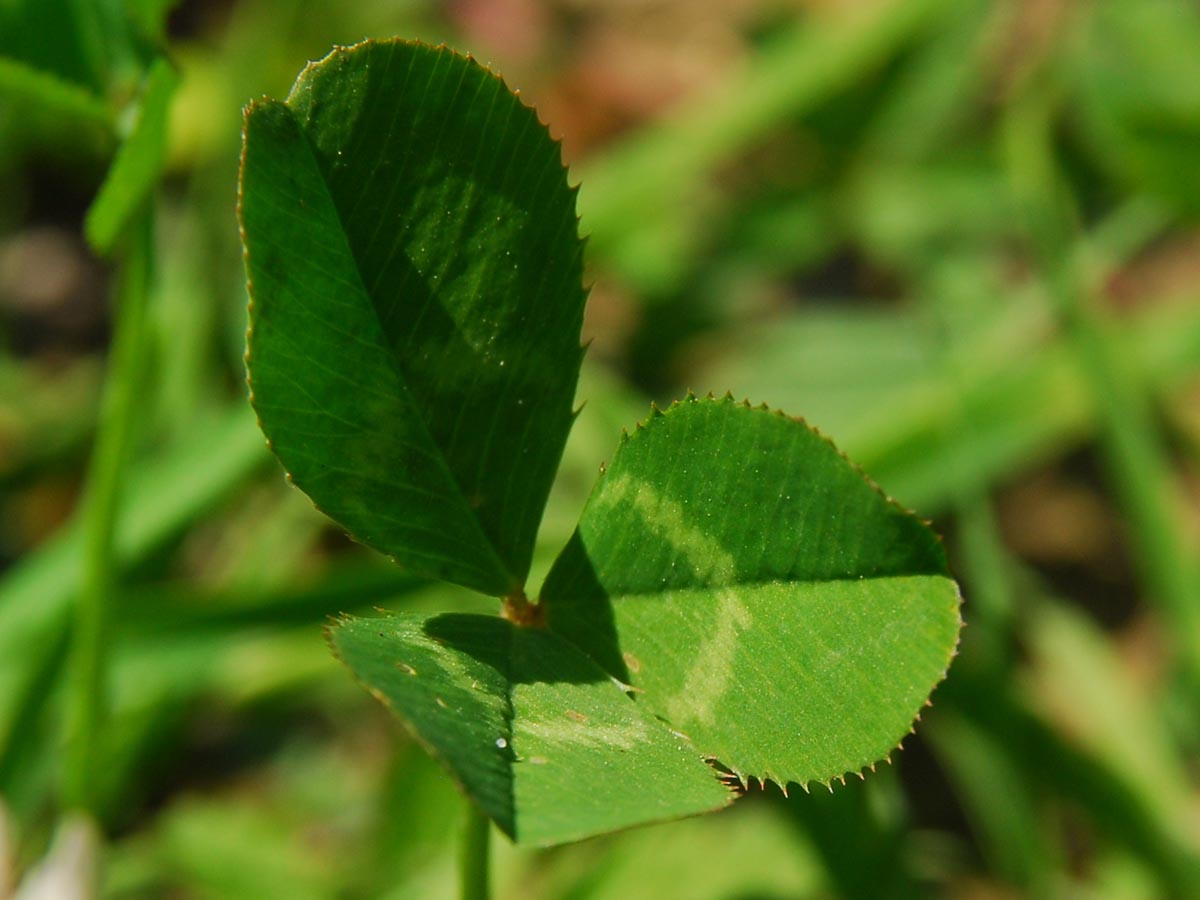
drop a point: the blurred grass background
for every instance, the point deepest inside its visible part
(960, 237)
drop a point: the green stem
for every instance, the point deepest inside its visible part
(87, 685)
(474, 855)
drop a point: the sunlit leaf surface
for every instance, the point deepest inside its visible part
(542, 739)
(415, 275)
(767, 600)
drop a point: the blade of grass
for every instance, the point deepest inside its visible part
(347, 587)
(858, 830)
(999, 805)
(165, 495)
(138, 164)
(88, 672)
(1077, 679)
(1025, 391)
(1131, 441)
(991, 786)
(22, 738)
(1063, 770)
(22, 82)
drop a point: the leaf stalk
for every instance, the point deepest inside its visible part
(518, 610)
(474, 860)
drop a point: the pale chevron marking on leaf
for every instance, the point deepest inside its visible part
(712, 672)
(621, 736)
(670, 519)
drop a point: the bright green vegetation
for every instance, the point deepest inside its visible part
(416, 300)
(957, 236)
(545, 742)
(761, 596)
(417, 296)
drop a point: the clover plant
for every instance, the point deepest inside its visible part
(737, 602)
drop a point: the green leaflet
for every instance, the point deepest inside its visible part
(415, 275)
(415, 278)
(138, 164)
(765, 598)
(547, 744)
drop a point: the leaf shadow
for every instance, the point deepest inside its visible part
(519, 655)
(576, 613)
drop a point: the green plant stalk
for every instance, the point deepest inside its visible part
(88, 662)
(1131, 443)
(474, 856)
(163, 497)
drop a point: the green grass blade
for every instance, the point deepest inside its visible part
(1134, 78)
(1117, 808)
(165, 495)
(100, 511)
(138, 164)
(1134, 451)
(1025, 393)
(23, 83)
(999, 804)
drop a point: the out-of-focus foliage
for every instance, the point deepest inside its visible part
(961, 238)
